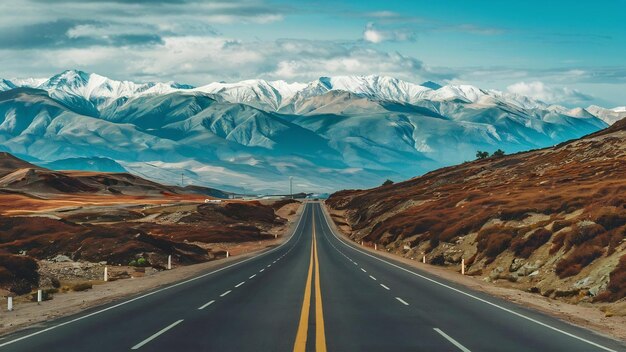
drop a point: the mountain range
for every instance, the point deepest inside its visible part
(331, 133)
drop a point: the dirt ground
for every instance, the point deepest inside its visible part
(597, 318)
(29, 314)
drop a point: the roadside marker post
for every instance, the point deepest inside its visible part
(462, 266)
(375, 246)
(10, 304)
(227, 254)
(106, 273)
(39, 296)
(424, 259)
(169, 262)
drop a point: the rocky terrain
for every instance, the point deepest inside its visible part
(550, 221)
(61, 228)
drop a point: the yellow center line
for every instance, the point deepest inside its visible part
(303, 326)
(320, 334)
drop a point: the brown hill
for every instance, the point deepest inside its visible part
(20, 176)
(551, 221)
(9, 164)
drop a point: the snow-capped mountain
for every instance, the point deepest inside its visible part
(610, 116)
(332, 133)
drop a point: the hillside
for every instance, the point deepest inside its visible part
(19, 176)
(61, 226)
(551, 221)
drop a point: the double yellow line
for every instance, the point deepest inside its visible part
(303, 327)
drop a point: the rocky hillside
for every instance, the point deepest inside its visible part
(551, 221)
(78, 220)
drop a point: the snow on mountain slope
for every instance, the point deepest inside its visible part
(610, 116)
(334, 132)
(258, 93)
(6, 85)
(88, 93)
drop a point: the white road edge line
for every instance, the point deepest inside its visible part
(402, 301)
(385, 287)
(206, 305)
(262, 270)
(225, 293)
(139, 345)
(164, 288)
(465, 293)
(373, 278)
(363, 270)
(239, 284)
(252, 276)
(452, 341)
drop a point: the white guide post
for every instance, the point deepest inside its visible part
(10, 304)
(106, 273)
(169, 262)
(424, 259)
(462, 266)
(227, 254)
(39, 296)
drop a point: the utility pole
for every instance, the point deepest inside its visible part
(291, 187)
(182, 178)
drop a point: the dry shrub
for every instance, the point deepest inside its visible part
(493, 241)
(557, 242)
(561, 224)
(577, 260)
(616, 289)
(610, 218)
(81, 286)
(583, 232)
(524, 247)
(18, 273)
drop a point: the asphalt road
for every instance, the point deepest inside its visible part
(315, 292)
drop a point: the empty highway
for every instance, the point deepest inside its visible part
(315, 292)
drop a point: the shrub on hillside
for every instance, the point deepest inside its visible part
(524, 247)
(493, 241)
(561, 224)
(18, 273)
(616, 289)
(579, 258)
(582, 232)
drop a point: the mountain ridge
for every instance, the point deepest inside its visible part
(332, 133)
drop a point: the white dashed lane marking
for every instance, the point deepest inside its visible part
(402, 301)
(207, 304)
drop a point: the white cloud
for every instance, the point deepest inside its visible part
(376, 35)
(200, 60)
(554, 95)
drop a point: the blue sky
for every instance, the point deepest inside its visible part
(571, 53)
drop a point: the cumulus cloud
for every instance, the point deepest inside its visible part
(220, 58)
(376, 35)
(554, 95)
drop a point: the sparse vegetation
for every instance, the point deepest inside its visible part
(577, 260)
(498, 153)
(524, 247)
(616, 289)
(482, 155)
(387, 182)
